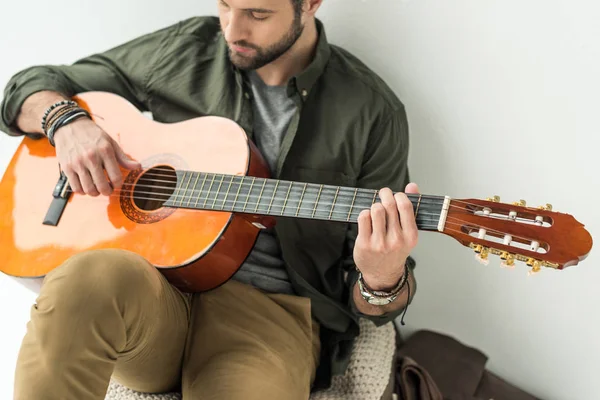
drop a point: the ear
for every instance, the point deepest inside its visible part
(310, 7)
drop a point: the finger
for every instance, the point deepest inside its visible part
(93, 164)
(391, 209)
(412, 188)
(100, 179)
(87, 183)
(378, 221)
(364, 225)
(407, 219)
(73, 180)
(111, 165)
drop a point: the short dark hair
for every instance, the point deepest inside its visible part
(297, 4)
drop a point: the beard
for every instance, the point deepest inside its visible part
(264, 56)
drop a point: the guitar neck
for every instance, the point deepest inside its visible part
(280, 198)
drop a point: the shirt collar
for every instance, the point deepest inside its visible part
(303, 82)
(306, 80)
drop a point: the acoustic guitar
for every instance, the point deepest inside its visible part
(195, 216)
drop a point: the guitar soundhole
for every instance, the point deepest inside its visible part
(154, 187)
(151, 189)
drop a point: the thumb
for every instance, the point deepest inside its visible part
(124, 159)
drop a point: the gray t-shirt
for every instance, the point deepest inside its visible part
(273, 111)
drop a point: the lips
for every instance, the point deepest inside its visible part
(243, 50)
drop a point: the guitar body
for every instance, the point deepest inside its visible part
(196, 250)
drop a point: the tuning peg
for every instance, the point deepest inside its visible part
(495, 199)
(547, 207)
(535, 265)
(521, 203)
(482, 254)
(508, 260)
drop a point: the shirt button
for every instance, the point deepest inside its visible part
(304, 93)
(247, 95)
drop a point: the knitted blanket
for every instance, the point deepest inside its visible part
(366, 378)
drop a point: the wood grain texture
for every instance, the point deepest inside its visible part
(565, 240)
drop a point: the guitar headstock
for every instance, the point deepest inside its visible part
(537, 236)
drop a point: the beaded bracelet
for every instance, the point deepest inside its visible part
(52, 107)
(65, 119)
(53, 117)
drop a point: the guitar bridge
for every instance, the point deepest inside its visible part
(60, 197)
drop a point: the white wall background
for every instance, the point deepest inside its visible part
(502, 98)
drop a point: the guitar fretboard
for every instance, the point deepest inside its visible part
(280, 198)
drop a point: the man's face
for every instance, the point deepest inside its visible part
(258, 31)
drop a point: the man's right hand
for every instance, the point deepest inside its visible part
(85, 152)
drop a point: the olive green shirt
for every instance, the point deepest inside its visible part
(350, 129)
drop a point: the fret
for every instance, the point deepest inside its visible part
(362, 202)
(260, 195)
(201, 187)
(212, 181)
(287, 195)
(352, 205)
(238, 192)
(273, 197)
(227, 193)
(249, 193)
(180, 193)
(305, 200)
(186, 189)
(417, 209)
(317, 201)
(333, 202)
(301, 198)
(193, 189)
(178, 188)
(217, 192)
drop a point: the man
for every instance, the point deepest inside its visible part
(286, 323)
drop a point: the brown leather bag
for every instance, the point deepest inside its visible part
(434, 366)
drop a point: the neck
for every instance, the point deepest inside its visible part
(294, 61)
(278, 198)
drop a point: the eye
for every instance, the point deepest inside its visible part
(259, 16)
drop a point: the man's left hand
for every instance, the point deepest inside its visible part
(387, 233)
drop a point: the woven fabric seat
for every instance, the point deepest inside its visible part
(368, 376)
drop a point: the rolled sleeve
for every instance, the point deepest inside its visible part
(123, 70)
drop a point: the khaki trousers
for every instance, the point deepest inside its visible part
(109, 313)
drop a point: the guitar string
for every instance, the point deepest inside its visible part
(360, 192)
(423, 202)
(356, 209)
(324, 191)
(515, 251)
(449, 220)
(189, 196)
(191, 193)
(427, 225)
(343, 190)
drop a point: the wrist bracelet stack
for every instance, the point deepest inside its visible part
(65, 112)
(378, 297)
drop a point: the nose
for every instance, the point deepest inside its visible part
(235, 29)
